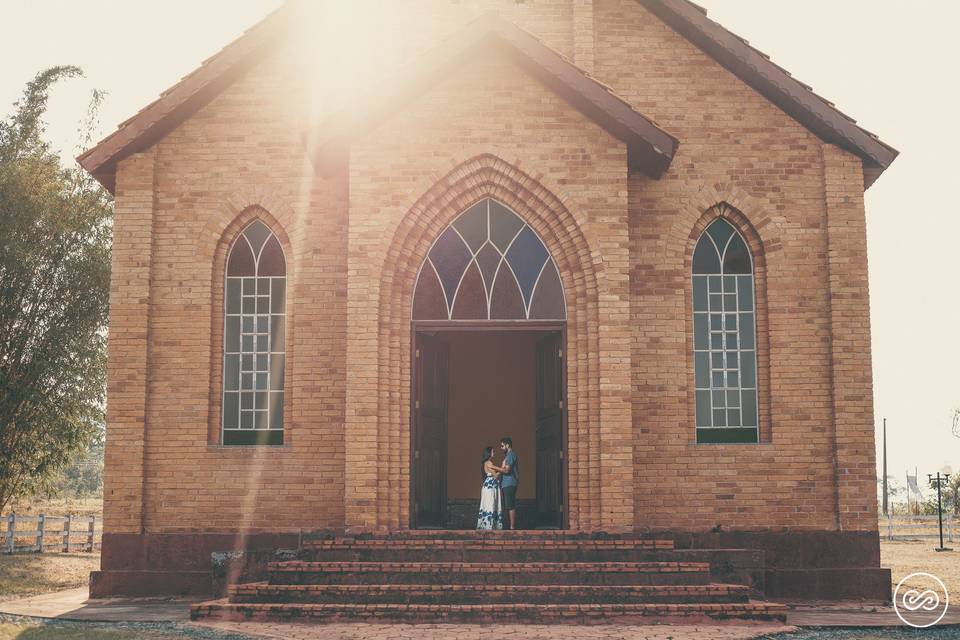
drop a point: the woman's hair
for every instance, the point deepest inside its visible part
(487, 454)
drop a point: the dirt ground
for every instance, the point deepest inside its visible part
(904, 558)
(27, 574)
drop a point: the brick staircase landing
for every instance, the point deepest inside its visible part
(524, 576)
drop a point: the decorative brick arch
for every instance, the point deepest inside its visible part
(226, 234)
(759, 249)
(481, 177)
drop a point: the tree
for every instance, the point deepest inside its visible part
(55, 234)
(82, 477)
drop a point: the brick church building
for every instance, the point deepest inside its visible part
(350, 251)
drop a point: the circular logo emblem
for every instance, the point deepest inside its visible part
(921, 600)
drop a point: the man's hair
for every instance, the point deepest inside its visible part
(507, 441)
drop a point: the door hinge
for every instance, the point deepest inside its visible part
(417, 353)
(559, 353)
(416, 454)
(561, 404)
(561, 507)
(561, 455)
(416, 404)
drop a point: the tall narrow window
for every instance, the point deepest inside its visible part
(253, 338)
(724, 337)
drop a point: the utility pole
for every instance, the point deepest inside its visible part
(886, 510)
(938, 482)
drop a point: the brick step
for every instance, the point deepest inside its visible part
(490, 550)
(652, 544)
(263, 592)
(473, 534)
(528, 573)
(488, 613)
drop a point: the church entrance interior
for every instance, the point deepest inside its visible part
(473, 385)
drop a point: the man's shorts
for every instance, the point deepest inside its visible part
(509, 497)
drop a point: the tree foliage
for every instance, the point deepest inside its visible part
(949, 497)
(55, 234)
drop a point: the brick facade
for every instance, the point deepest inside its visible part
(355, 235)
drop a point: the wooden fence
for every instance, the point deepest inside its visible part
(918, 528)
(43, 534)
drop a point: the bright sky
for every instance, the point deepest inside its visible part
(890, 64)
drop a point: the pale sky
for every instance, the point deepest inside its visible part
(888, 63)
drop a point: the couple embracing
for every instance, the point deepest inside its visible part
(498, 493)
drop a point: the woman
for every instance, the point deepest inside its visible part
(491, 515)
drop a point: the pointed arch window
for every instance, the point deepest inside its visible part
(254, 341)
(724, 336)
(489, 264)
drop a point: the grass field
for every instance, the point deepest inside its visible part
(29, 631)
(27, 574)
(59, 507)
(13, 628)
(904, 558)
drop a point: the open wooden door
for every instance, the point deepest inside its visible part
(550, 431)
(431, 385)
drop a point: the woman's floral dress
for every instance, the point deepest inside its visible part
(491, 514)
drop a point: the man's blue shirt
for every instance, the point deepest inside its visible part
(511, 479)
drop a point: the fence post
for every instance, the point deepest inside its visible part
(90, 528)
(40, 520)
(889, 527)
(11, 529)
(66, 534)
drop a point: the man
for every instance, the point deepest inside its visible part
(509, 480)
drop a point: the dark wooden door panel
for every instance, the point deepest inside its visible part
(430, 448)
(550, 431)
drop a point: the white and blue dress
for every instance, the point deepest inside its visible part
(491, 512)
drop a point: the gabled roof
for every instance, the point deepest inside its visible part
(775, 83)
(649, 148)
(183, 99)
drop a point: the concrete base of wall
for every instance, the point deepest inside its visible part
(176, 563)
(807, 565)
(798, 565)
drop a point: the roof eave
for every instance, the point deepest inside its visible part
(178, 102)
(650, 148)
(776, 84)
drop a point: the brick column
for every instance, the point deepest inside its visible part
(128, 345)
(364, 254)
(616, 409)
(582, 25)
(850, 324)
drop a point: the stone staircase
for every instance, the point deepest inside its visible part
(522, 576)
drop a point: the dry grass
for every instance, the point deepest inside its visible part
(59, 507)
(26, 630)
(28, 574)
(904, 558)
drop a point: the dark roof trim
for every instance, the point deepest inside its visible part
(183, 99)
(775, 83)
(650, 148)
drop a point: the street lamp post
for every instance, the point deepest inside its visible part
(938, 482)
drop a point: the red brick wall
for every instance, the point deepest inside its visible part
(238, 154)
(734, 147)
(490, 130)
(622, 244)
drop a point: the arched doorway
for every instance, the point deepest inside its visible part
(489, 330)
